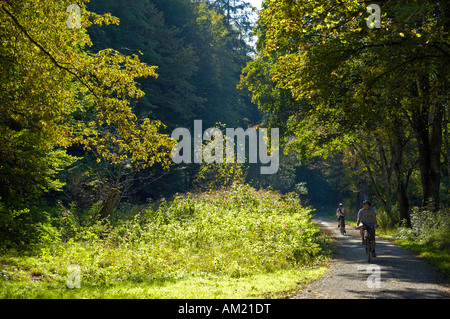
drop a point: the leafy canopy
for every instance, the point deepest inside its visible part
(55, 93)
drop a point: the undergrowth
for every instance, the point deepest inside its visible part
(231, 235)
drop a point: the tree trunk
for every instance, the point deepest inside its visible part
(110, 202)
(228, 18)
(360, 194)
(387, 177)
(447, 147)
(384, 201)
(401, 186)
(435, 156)
(447, 142)
(429, 149)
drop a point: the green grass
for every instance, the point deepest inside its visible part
(279, 284)
(234, 243)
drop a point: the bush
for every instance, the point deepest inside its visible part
(388, 220)
(235, 232)
(26, 229)
(429, 228)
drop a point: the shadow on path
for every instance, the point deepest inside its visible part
(395, 273)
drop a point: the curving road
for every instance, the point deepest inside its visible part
(395, 273)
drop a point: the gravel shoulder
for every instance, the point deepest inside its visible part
(395, 273)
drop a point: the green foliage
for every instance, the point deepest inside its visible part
(27, 229)
(55, 94)
(214, 176)
(277, 104)
(360, 91)
(199, 58)
(172, 97)
(429, 236)
(237, 232)
(388, 219)
(217, 175)
(428, 228)
(301, 189)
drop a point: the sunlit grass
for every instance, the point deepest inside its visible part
(279, 284)
(235, 243)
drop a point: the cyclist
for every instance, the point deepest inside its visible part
(367, 216)
(340, 213)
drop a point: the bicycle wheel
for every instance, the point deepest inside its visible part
(368, 250)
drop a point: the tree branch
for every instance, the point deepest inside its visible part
(52, 59)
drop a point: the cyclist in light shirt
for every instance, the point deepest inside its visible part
(340, 214)
(367, 216)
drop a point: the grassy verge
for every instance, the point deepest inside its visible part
(428, 236)
(437, 256)
(236, 243)
(279, 284)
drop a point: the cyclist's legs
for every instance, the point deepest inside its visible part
(372, 237)
(362, 231)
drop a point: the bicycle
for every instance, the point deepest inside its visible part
(341, 221)
(367, 241)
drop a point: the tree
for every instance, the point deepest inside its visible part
(55, 94)
(326, 55)
(171, 97)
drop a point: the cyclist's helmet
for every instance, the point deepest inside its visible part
(341, 205)
(367, 202)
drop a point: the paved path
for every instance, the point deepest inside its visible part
(402, 274)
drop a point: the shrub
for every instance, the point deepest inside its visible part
(388, 220)
(430, 228)
(234, 232)
(26, 229)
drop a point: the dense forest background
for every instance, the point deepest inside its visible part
(91, 91)
(66, 139)
(200, 49)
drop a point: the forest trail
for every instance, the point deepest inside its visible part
(402, 274)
